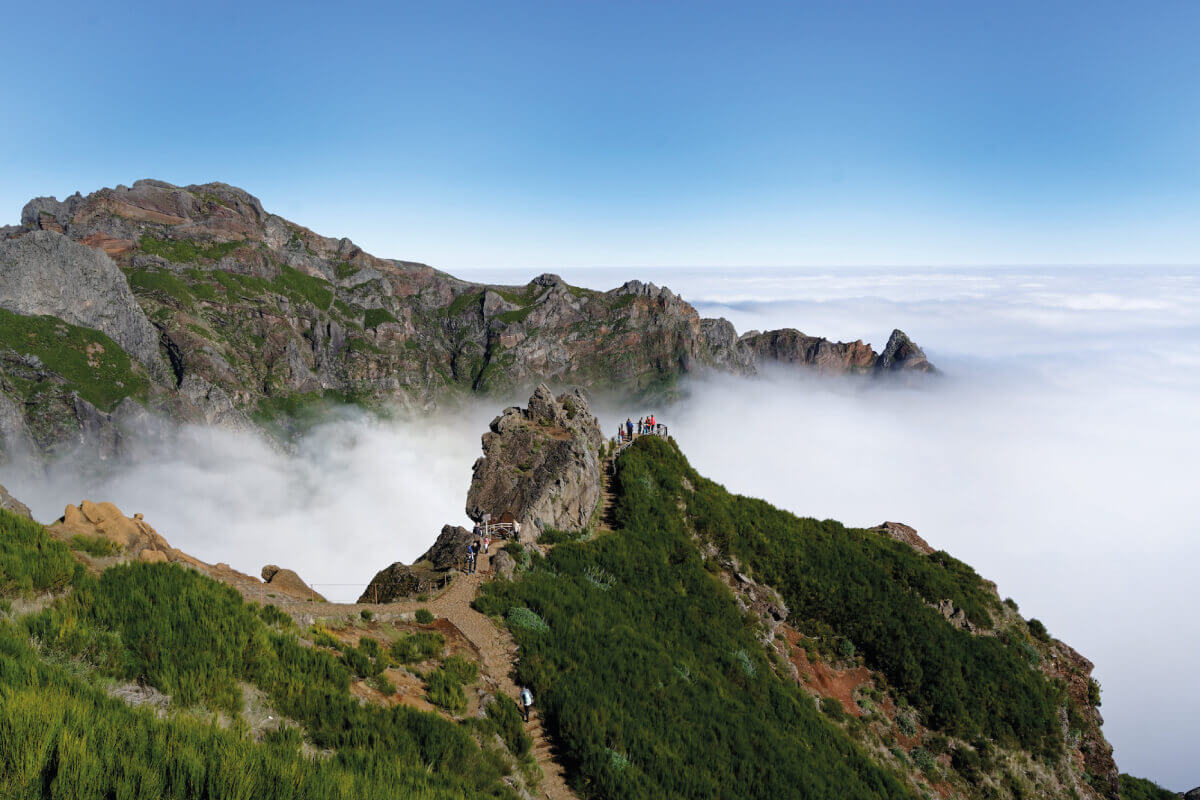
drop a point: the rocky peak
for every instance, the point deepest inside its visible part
(904, 534)
(541, 464)
(902, 353)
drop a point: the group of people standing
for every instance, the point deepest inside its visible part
(648, 424)
(473, 550)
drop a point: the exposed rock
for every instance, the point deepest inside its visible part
(905, 534)
(398, 582)
(1194, 794)
(503, 564)
(286, 581)
(790, 346)
(955, 616)
(132, 534)
(12, 504)
(541, 464)
(47, 273)
(902, 353)
(449, 549)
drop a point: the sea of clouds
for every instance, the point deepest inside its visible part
(1056, 454)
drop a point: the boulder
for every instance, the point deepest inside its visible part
(503, 564)
(286, 581)
(449, 549)
(398, 582)
(12, 504)
(1194, 794)
(541, 464)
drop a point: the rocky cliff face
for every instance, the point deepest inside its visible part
(232, 310)
(541, 464)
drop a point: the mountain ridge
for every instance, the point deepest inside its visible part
(236, 316)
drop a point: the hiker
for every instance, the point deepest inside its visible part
(476, 547)
(470, 559)
(641, 425)
(620, 433)
(487, 542)
(526, 702)
(629, 427)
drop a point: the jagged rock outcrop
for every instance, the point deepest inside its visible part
(541, 464)
(400, 581)
(48, 273)
(790, 346)
(904, 534)
(286, 581)
(250, 308)
(12, 504)
(449, 549)
(902, 353)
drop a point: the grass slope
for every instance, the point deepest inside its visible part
(89, 361)
(161, 625)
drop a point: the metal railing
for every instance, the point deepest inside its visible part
(623, 441)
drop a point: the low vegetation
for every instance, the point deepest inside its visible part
(1141, 789)
(87, 360)
(863, 589)
(643, 676)
(197, 641)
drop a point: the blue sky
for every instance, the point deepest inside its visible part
(569, 134)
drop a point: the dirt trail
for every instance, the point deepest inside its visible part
(497, 654)
(495, 645)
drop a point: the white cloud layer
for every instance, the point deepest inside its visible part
(1057, 456)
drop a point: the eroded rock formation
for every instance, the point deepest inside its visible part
(541, 464)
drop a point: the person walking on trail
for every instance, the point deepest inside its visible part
(470, 559)
(526, 702)
(487, 542)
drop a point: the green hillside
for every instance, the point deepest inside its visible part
(63, 736)
(657, 684)
(662, 664)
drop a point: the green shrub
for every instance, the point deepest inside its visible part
(97, 546)
(273, 616)
(505, 719)
(381, 684)
(923, 759)
(366, 615)
(832, 708)
(1038, 630)
(555, 536)
(420, 646)
(1141, 789)
(30, 561)
(423, 616)
(444, 686)
(522, 617)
